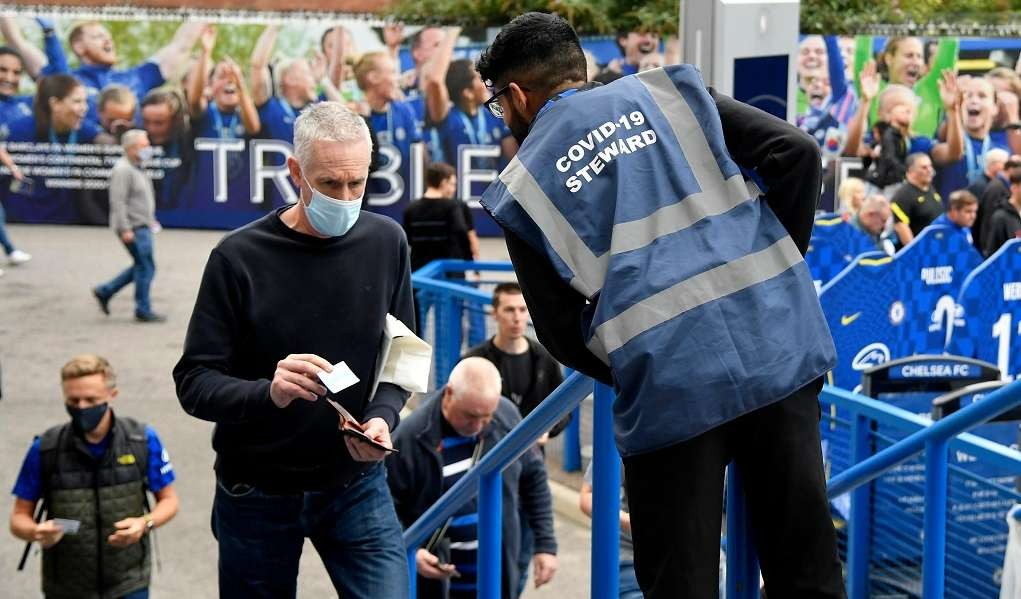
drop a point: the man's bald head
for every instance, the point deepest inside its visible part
(471, 396)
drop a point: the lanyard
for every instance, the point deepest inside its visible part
(72, 137)
(224, 131)
(479, 130)
(549, 103)
(975, 164)
(287, 108)
(387, 117)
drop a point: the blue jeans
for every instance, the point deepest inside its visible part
(354, 529)
(139, 594)
(5, 242)
(140, 273)
(629, 588)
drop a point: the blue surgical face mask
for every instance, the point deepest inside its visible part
(146, 153)
(329, 216)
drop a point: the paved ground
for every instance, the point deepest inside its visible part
(47, 315)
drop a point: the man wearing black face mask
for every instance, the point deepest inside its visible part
(92, 475)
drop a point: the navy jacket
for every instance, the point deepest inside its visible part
(415, 476)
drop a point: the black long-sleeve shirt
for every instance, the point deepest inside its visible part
(783, 156)
(269, 291)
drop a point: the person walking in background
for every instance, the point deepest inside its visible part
(132, 217)
(438, 225)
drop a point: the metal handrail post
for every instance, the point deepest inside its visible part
(490, 535)
(448, 338)
(742, 563)
(572, 442)
(934, 554)
(605, 499)
(412, 573)
(858, 537)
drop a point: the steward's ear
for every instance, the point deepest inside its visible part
(519, 98)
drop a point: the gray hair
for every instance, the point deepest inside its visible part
(132, 137)
(477, 376)
(875, 201)
(327, 121)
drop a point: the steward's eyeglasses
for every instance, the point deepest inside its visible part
(493, 103)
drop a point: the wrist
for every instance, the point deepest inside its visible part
(149, 523)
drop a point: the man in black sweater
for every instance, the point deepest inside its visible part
(281, 300)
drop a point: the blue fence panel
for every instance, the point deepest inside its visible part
(835, 244)
(989, 324)
(880, 309)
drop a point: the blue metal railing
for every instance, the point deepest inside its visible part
(449, 300)
(932, 438)
(485, 479)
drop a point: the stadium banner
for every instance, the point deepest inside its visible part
(213, 165)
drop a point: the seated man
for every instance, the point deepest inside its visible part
(92, 475)
(438, 443)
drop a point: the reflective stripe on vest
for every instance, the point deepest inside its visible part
(717, 196)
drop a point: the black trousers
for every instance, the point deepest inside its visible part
(675, 496)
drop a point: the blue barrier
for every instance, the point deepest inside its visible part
(882, 309)
(935, 439)
(449, 300)
(988, 326)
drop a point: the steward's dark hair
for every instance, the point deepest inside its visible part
(538, 49)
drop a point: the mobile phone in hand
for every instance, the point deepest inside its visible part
(25, 186)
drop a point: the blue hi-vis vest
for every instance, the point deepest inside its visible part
(700, 302)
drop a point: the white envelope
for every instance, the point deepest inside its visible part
(404, 358)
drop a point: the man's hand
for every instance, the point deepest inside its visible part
(208, 39)
(129, 531)
(47, 534)
(20, 176)
(949, 92)
(376, 429)
(545, 566)
(429, 566)
(128, 236)
(869, 79)
(625, 522)
(296, 377)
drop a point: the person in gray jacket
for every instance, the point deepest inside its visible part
(132, 217)
(438, 443)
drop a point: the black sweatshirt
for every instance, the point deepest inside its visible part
(269, 291)
(784, 157)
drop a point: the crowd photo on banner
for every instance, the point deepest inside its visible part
(218, 102)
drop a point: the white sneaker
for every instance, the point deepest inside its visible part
(19, 257)
(1, 272)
